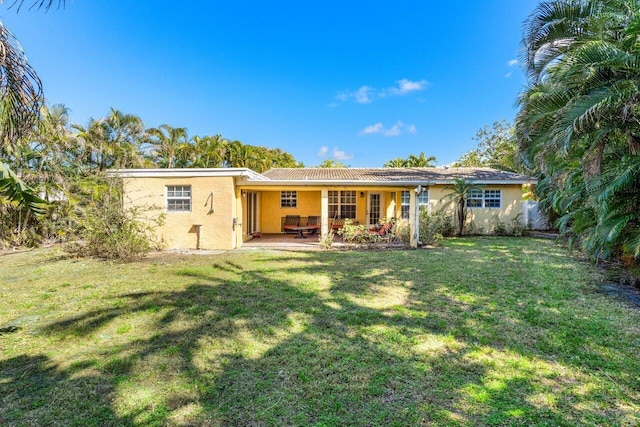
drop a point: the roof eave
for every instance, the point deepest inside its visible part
(186, 173)
(370, 183)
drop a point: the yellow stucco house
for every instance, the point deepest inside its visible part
(224, 207)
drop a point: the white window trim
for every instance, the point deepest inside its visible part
(339, 203)
(166, 198)
(483, 199)
(290, 196)
(423, 203)
(407, 205)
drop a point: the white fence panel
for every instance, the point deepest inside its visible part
(531, 215)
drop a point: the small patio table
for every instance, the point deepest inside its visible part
(300, 230)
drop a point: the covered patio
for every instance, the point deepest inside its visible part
(285, 241)
(285, 200)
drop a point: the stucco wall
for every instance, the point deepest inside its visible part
(271, 212)
(217, 230)
(178, 231)
(485, 218)
(309, 204)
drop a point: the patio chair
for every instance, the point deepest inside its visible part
(385, 232)
(291, 222)
(313, 221)
(337, 223)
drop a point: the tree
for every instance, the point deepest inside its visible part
(113, 141)
(398, 162)
(496, 149)
(20, 102)
(412, 161)
(579, 119)
(169, 143)
(49, 158)
(208, 151)
(331, 163)
(39, 4)
(458, 195)
(421, 161)
(14, 190)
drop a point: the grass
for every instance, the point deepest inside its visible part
(482, 331)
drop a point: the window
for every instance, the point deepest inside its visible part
(484, 198)
(492, 198)
(405, 198)
(288, 199)
(423, 200)
(474, 199)
(178, 198)
(342, 204)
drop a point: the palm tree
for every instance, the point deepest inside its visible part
(458, 195)
(208, 151)
(14, 190)
(49, 159)
(113, 141)
(168, 142)
(21, 98)
(398, 162)
(39, 4)
(239, 155)
(421, 161)
(125, 134)
(579, 120)
(331, 163)
(412, 161)
(20, 102)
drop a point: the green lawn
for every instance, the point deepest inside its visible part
(481, 331)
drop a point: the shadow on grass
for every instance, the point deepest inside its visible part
(343, 339)
(29, 385)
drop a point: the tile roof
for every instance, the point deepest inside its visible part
(395, 174)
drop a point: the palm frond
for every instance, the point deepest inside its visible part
(37, 4)
(16, 191)
(631, 244)
(20, 90)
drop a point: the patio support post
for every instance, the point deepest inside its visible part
(324, 212)
(413, 219)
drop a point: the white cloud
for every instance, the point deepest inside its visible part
(367, 94)
(322, 152)
(396, 130)
(512, 62)
(377, 128)
(341, 155)
(364, 95)
(406, 86)
(506, 76)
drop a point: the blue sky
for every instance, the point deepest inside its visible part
(359, 81)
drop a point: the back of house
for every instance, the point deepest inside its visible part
(222, 208)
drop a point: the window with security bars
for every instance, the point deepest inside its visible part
(288, 199)
(405, 200)
(484, 199)
(342, 204)
(178, 198)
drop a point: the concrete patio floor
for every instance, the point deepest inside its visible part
(284, 241)
(311, 242)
